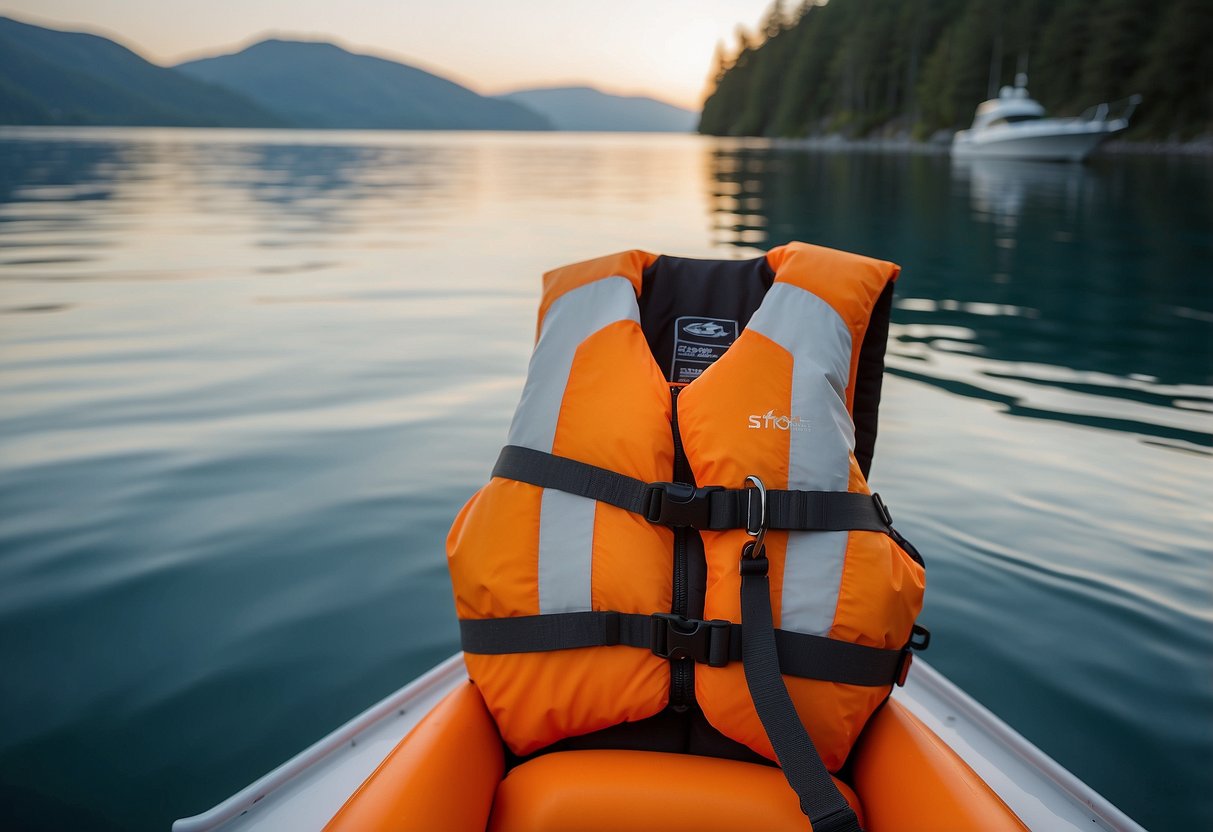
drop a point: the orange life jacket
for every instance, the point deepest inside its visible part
(675, 410)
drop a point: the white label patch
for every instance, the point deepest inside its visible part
(698, 343)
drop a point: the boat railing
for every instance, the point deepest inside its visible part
(1119, 110)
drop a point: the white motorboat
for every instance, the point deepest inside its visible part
(1016, 126)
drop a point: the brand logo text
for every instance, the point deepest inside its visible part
(770, 420)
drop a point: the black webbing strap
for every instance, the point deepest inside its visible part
(800, 654)
(708, 508)
(554, 631)
(563, 474)
(824, 511)
(829, 660)
(820, 799)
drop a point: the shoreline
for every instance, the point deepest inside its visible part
(1198, 147)
(937, 145)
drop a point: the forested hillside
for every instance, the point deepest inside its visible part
(864, 67)
(53, 77)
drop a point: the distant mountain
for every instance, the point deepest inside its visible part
(53, 77)
(313, 84)
(585, 108)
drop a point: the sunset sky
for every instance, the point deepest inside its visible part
(661, 48)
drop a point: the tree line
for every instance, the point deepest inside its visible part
(913, 67)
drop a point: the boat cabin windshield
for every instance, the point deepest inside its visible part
(1013, 119)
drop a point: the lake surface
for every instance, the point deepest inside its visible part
(248, 378)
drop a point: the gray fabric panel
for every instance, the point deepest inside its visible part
(566, 521)
(566, 544)
(574, 316)
(820, 344)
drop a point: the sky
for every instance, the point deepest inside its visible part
(661, 48)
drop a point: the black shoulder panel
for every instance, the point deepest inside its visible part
(868, 379)
(691, 310)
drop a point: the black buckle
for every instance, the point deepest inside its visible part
(679, 638)
(920, 639)
(883, 510)
(903, 666)
(679, 504)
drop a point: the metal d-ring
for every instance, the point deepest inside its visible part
(756, 529)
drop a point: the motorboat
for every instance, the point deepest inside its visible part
(1016, 126)
(428, 757)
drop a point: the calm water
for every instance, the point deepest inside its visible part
(246, 380)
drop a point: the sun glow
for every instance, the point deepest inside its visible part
(628, 46)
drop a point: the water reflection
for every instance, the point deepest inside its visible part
(1001, 189)
(1027, 284)
(248, 378)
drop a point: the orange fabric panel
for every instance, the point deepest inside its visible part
(629, 264)
(850, 283)
(616, 414)
(616, 407)
(493, 551)
(609, 791)
(441, 776)
(715, 424)
(834, 714)
(881, 592)
(714, 420)
(538, 698)
(617, 417)
(911, 781)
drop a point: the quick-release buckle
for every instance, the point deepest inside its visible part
(883, 510)
(681, 505)
(679, 638)
(920, 639)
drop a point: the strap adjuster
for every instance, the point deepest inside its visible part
(680, 505)
(679, 638)
(840, 820)
(920, 638)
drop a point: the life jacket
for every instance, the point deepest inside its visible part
(689, 458)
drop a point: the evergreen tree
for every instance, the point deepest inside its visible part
(858, 65)
(1118, 34)
(1176, 76)
(1057, 67)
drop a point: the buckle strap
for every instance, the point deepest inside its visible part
(826, 511)
(563, 474)
(710, 507)
(679, 638)
(675, 637)
(554, 631)
(802, 765)
(680, 505)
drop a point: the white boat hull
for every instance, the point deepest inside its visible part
(302, 794)
(1030, 142)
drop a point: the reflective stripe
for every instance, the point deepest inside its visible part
(820, 344)
(566, 543)
(575, 316)
(566, 522)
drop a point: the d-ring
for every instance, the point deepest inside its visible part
(756, 528)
